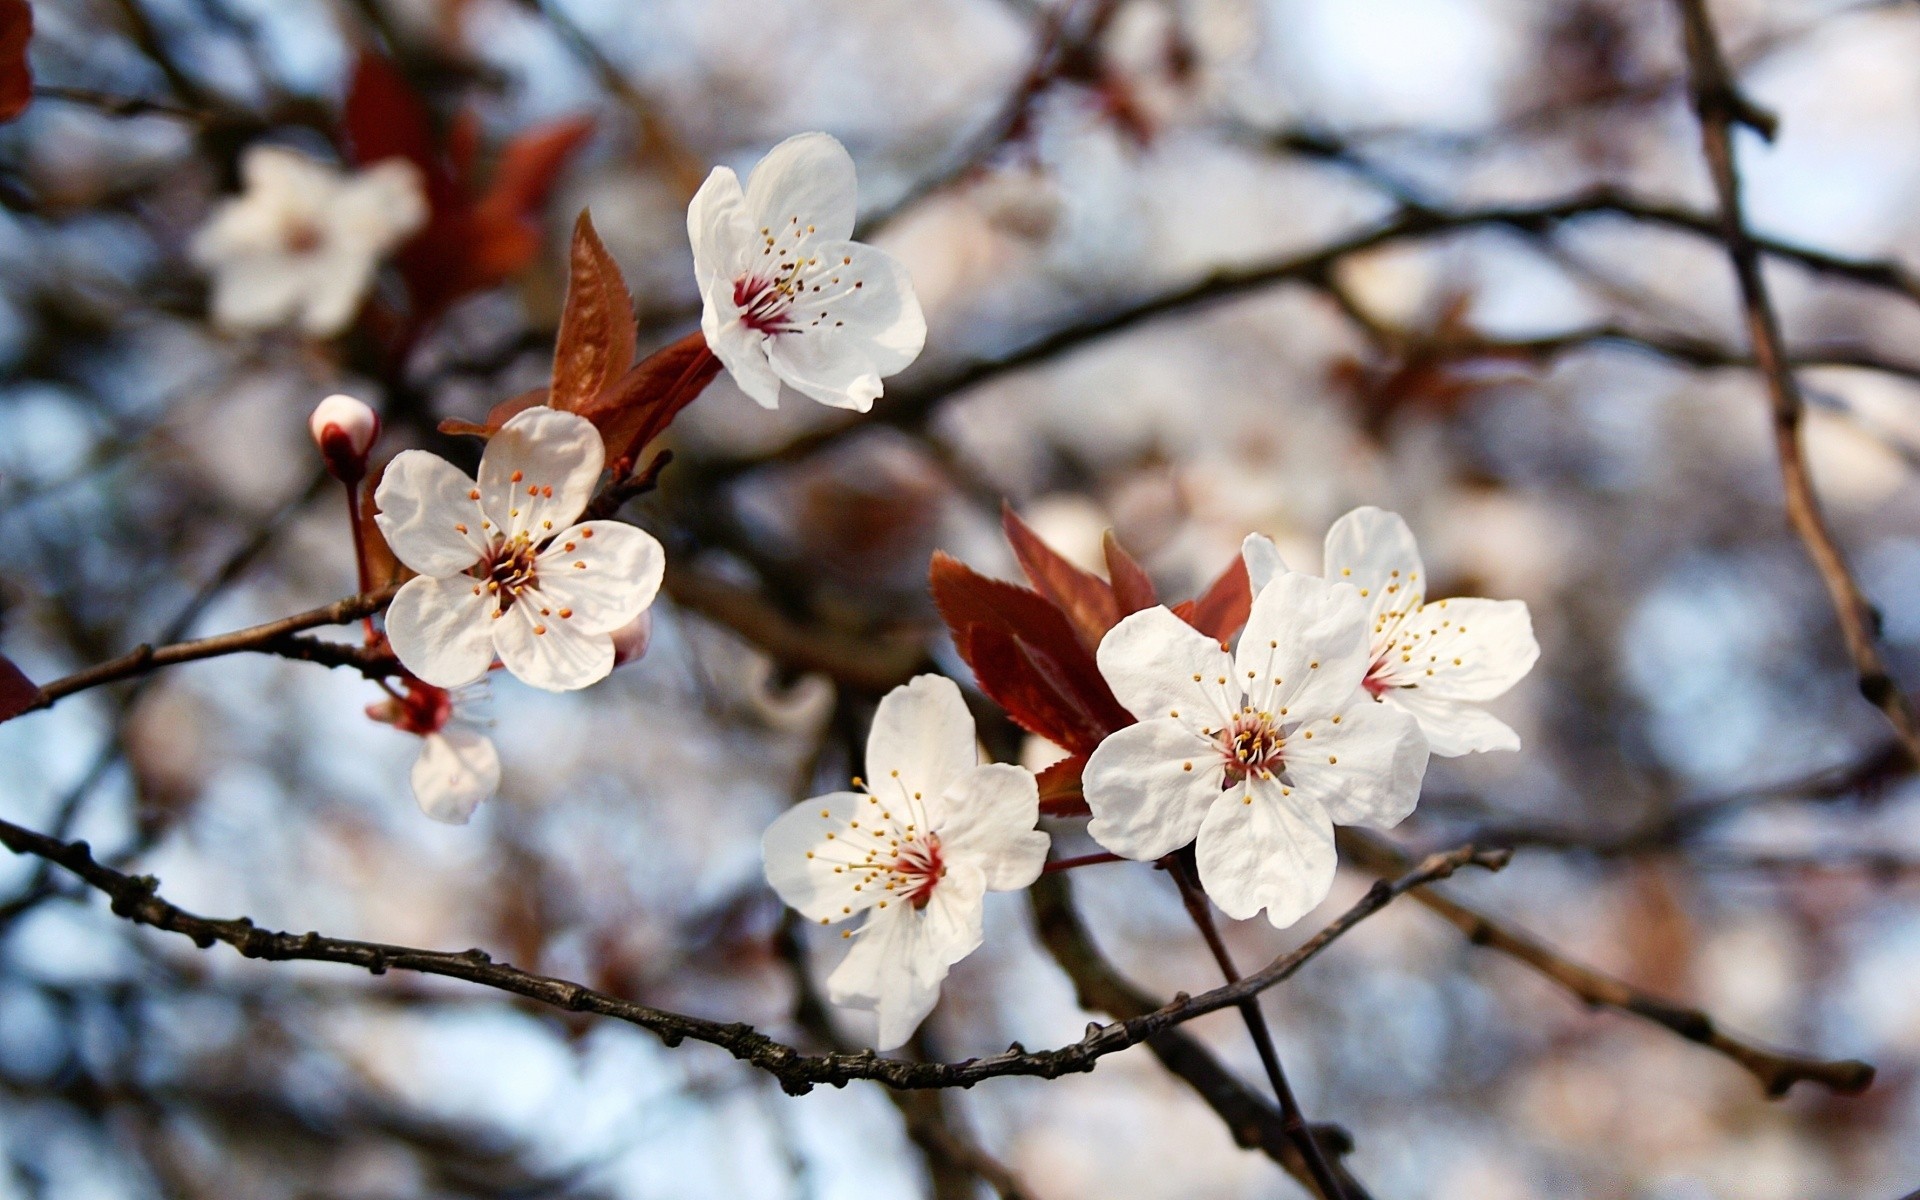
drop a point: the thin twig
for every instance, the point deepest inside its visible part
(1720, 105)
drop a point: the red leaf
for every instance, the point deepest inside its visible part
(1082, 596)
(1222, 609)
(1132, 589)
(1027, 657)
(1060, 794)
(643, 402)
(385, 118)
(17, 692)
(16, 77)
(529, 167)
(595, 345)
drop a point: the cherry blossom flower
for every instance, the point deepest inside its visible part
(916, 851)
(786, 296)
(344, 429)
(502, 567)
(458, 768)
(299, 246)
(1437, 661)
(1253, 756)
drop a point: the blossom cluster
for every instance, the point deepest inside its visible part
(1246, 755)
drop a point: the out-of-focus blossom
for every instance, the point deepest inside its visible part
(345, 429)
(917, 851)
(1436, 661)
(785, 295)
(300, 245)
(458, 768)
(503, 569)
(1256, 755)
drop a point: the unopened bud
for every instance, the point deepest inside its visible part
(344, 429)
(631, 640)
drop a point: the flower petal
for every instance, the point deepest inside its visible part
(1263, 846)
(1374, 551)
(1454, 727)
(988, 818)
(801, 858)
(1365, 770)
(599, 575)
(1159, 666)
(458, 769)
(742, 351)
(860, 322)
(921, 740)
(547, 652)
(539, 471)
(424, 502)
(1263, 560)
(334, 286)
(440, 629)
(1150, 786)
(720, 230)
(1305, 647)
(1465, 649)
(902, 954)
(809, 180)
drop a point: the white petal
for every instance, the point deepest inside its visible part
(800, 858)
(458, 769)
(988, 818)
(1263, 560)
(742, 351)
(539, 471)
(336, 284)
(921, 740)
(1262, 848)
(1366, 770)
(809, 177)
(1464, 649)
(1146, 801)
(1373, 550)
(549, 653)
(902, 954)
(256, 291)
(423, 501)
(605, 573)
(1160, 666)
(720, 230)
(1305, 648)
(855, 332)
(1454, 727)
(440, 630)
(379, 208)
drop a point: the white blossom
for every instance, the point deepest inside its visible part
(916, 851)
(785, 295)
(502, 567)
(458, 768)
(1253, 756)
(300, 244)
(1437, 661)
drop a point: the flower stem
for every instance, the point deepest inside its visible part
(357, 520)
(1291, 1116)
(1084, 860)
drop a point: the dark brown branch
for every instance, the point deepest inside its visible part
(137, 899)
(1777, 1071)
(274, 637)
(1720, 106)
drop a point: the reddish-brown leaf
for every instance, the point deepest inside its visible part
(529, 167)
(1222, 609)
(16, 77)
(1082, 596)
(1027, 657)
(1132, 589)
(385, 118)
(1060, 794)
(643, 402)
(595, 346)
(17, 692)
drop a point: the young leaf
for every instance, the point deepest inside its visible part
(1222, 609)
(595, 345)
(643, 402)
(16, 78)
(17, 692)
(1060, 794)
(1084, 597)
(1132, 589)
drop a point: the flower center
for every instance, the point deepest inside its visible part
(784, 274)
(301, 236)
(510, 569)
(1376, 682)
(1252, 747)
(920, 867)
(426, 709)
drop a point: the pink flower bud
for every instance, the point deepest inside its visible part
(344, 429)
(631, 640)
